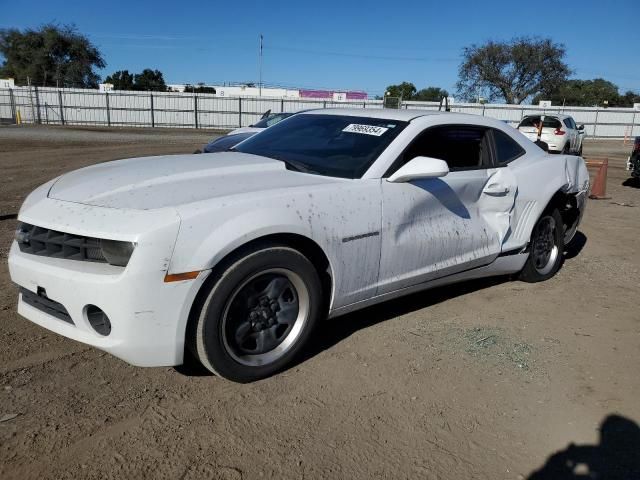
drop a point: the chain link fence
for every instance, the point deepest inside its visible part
(55, 106)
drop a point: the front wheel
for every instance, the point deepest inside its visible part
(258, 314)
(545, 248)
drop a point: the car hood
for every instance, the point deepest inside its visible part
(170, 181)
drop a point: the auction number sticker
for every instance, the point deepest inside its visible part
(365, 129)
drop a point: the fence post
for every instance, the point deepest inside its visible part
(324, 104)
(106, 100)
(281, 105)
(38, 105)
(239, 111)
(633, 125)
(61, 107)
(595, 126)
(153, 120)
(12, 100)
(195, 110)
(364, 104)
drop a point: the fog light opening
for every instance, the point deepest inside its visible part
(98, 320)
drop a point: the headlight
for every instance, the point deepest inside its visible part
(116, 252)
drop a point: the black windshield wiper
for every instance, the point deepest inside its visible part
(297, 166)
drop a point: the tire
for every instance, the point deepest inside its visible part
(566, 150)
(257, 314)
(579, 151)
(546, 248)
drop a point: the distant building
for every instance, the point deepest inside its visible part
(176, 88)
(254, 91)
(7, 83)
(332, 95)
(251, 90)
(105, 87)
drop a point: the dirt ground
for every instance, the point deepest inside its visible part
(482, 380)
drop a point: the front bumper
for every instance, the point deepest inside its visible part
(148, 316)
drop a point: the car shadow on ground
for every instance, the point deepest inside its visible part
(615, 457)
(631, 182)
(333, 331)
(576, 245)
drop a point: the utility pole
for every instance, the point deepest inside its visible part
(260, 67)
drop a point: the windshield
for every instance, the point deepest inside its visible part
(332, 145)
(271, 120)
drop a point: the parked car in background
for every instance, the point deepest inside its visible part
(237, 256)
(559, 132)
(268, 119)
(633, 162)
(225, 143)
(234, 137)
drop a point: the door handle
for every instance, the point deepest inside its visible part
(496, 190)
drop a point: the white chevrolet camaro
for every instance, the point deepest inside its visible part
(237, 256)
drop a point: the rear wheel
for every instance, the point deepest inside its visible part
(258, 314)
(545, 248)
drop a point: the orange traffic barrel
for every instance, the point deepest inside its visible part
(599, 183)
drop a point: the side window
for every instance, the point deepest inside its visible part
(573, 123)
(567, 123)
(507, 149)
(463, 147)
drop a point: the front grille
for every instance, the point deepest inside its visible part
(51, 243)
(46, 305)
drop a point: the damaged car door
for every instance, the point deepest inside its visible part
(433, 227)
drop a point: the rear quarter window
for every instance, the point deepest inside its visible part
(507, 149)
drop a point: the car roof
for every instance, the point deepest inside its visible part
(410, 114)
(384, 113)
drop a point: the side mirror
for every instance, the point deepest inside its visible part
(581, 127)
(420, 167)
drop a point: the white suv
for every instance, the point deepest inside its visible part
(559, 132)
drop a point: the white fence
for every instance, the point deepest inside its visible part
(188, 110)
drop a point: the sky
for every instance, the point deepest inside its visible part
(364, 45)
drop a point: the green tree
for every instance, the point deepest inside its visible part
(121, 80)
(406, 90)
(430, 94)
(512, 71)
(582, 93)
(149, 80)
(200, 88)
(629, 98)
(49, 56)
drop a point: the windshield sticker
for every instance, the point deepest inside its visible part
(365, 129)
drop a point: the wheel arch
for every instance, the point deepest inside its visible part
(567, 205)
(305, 245)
